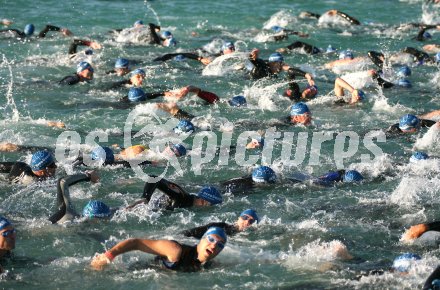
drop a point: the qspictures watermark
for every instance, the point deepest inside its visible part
(206, 145)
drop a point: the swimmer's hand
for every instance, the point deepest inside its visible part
(94, 176)
(56, 124)
(254, 53)
(99, 262)
(205, 60)
(95, 45)
(355, 97)
(66, 32)
(6, 22)
(414, 232)
(8, 147)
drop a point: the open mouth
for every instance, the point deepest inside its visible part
(209, 252)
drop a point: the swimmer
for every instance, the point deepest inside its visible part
(41, 167)
(402, 264)
(245, 220)
(104, 156)
(171, 254)
(340, 86)
(416, 231)
(300, 114)
(349, 19)
(80, 42)
(330, 178)
(48, 27)
(411, 124)
(300, 46)
(281, 33)
(8, 235)
(261, 175)
(30, 28)
(84, 73)
(168, 39)
(122, 67)
(259, 68)
(293, 92)
(136, 79)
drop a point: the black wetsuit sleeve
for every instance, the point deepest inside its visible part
(63, 197)
(375, 58)
(5, 167)
(127, 164)
(21, 171)
(47, 29)
(310, 49)
(240, 184)
(120, 84)
(70, 80)
(312, 15)
(394, 129)
(434, 226)
(198, 232)
(293, 71)
(156, 38)
(155, 95)
(169, 56)
(434, 275)
(427, 123)
(182, 115)
(347, 17)
(19, 33)
(419, 55)
(381, 82)
(179, 197)
(260, 69)
(76, 42)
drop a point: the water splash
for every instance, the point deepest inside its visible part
(9, 98)
(146, 3)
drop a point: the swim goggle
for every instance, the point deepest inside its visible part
(213, 240)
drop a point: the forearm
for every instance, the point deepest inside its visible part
(47, 29)
(74, 45)
(340, 85)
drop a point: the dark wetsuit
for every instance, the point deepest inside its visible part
(310, 49)
(419, 56)
(198, 232)
(395, 130)
(70, 80)
(19, 172)
(47, 29)
(188, 261)
(330, 178)
(239, 184)
(434, 275)
(258, 68)
(294, 92)
(80, 162)
(347, 17)
(19, 33)
(178, 197)
(76, 42)
(66, 211)
(420, 36)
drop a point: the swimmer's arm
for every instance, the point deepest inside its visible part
(164, 248)
(153, 27)
(49, 27)
(149, 188)
(6, 167)
(76, 42)
(430, 115)
(10, 147)
(349, 18)
(414, 232)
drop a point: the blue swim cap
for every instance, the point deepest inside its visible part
(136, 95)
(299, 109)
(170, 42)
(330, 49)
(426, 34)
(277, 28)
(228, 45)
(437, 57)
(83, 66)
(276, 57)
(88, 51)
(29, 29)
(346, 54)
(103, 154)
(178, 149)
(403, 262)
(404, 83)
(138, 22)
(417, 156)
(353, 176)
(361, 94)
(216, 231)
(41, 159)
(404, 71)
(96, 209)
(237, 101)
(210, 194)
(409, 122)
(138, 71)
(251, 213)
(121, 63)
(184, 126)
(4, 222)
(264, 174)
(179, 57)
(167, 34)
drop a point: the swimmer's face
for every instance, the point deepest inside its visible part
(304, 119)
(209, 247)
(229, 50)
(244, 222)
(275, 66)
(86, 74)
(413, 130)
(7, 238)
(47, 172)
(137, 80)
(253, 144)
(121, 71)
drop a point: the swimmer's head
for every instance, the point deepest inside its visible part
(346, 54)
(237, 101)
(210, 194)
(138, 23)
(177, 149)
(403, 262)
(4, 223)
(352, 176)
(330, 49)
(418, 155)
(252, 213)
(404, 83)
(255, 143)
(138, 71)
(170, 42)
(167, 34)
(103, 155)
(82, 66)
(136, 95)
(29, 29)
(96, 209)
(277, 28)
(264, 174)
(228, 47)
(409, 123)
(216, 231)
(404, 71)
(184, 126)
(276, 57)
(41, 160)
(121, 63)
(300, 114)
